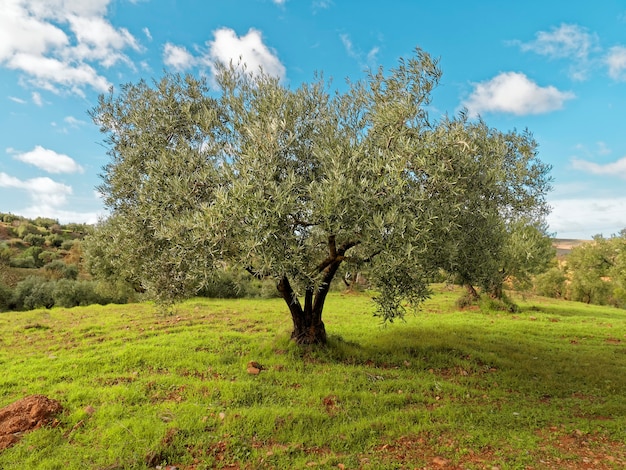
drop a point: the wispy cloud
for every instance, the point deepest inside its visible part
(568, 41)
(37, 99)
(365, 60)
(514, 93)
(616, 62)
(48, 160)
(616, 168)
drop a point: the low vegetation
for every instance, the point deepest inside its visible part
(219, 384)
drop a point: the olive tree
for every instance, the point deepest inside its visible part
(499, 230)
(289, 184)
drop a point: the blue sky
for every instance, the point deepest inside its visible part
(555, 67)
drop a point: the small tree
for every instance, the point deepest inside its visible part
(287, 184)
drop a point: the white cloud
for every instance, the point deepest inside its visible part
(227, 47)
(515, 93)
(365, 60)
(568, 41)
(322, 4)
(616, 62)
(177, 57)
(49, 160)
(17, 100)
(57, 43)
(279, 2)
(148, 34)
(37, 99)
(42, 191)
(73, 122)
(617, 168)
(583, 218)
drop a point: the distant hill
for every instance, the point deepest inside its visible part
(564, 245)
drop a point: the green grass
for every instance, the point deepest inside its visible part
(474, 389)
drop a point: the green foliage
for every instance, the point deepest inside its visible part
(33, 292)
(45, 222)
(552, 283)
(6, 297)
(47, 256)
(34, 239)
(10, 218)
(67, 244)
(22, 262)
(57, 269)
(26, 228)
(292, 184)
(55, 240)
(5, 253)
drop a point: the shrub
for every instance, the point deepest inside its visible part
(34, 292)
(34, 239)
(25, 263)
(25, 228)
(5, 253)
(67, 245)
(57, 269)
(6, 297)
(47, 256)
(10, 218)
(33, 252)
(551, 283)
(55, 240)
(71, 293)
(45, 222)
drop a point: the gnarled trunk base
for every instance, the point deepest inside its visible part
(314, 334)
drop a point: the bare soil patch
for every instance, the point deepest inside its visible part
(25, 415)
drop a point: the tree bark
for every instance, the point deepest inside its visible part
(308, 327)
(471, 292)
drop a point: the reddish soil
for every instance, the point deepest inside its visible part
(24, 415)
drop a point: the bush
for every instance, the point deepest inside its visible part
(67, 245)
(34, 239)
(47, 256)
(57, 269)
(45, 222)
(33, 252)
(70, 293)
(55, 240)
(25, 228)
(6, 297)
(34, 292)
(26, 263)
(551, 283)
(5, 253)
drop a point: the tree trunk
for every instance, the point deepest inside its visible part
(308, 327)
(471, 292)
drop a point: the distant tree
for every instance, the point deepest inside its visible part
(499, 231)
(288, 184)
(590, 266)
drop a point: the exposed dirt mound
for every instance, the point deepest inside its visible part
(25, 415)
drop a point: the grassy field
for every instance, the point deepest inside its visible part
(542, 388)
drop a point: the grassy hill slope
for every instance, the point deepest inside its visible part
(543, 388)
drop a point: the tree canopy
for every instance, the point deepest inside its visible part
(294, 184)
